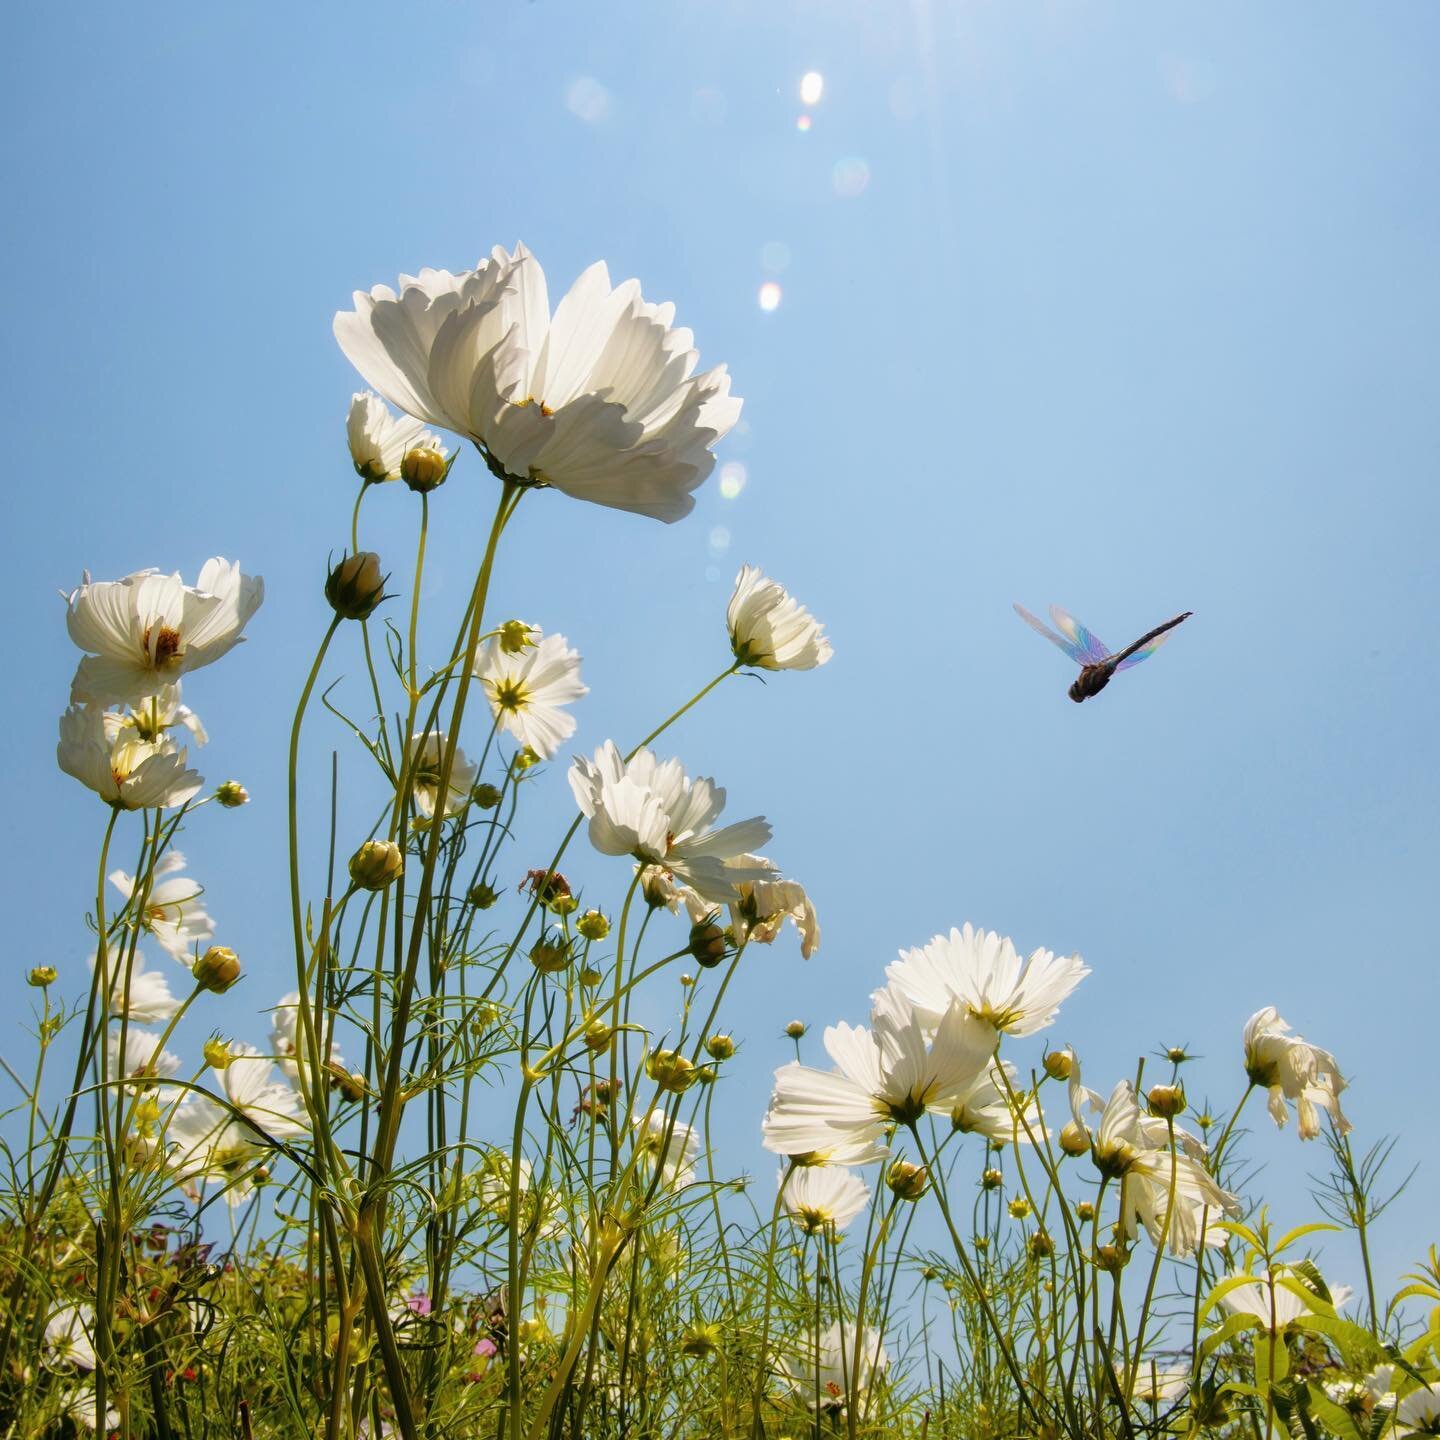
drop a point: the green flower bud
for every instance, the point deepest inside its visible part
(232, 794)
(550, 954)
(1166, 1101)
(796, 1029)
(598, 1036)
(670, 1070)
(483, 896)
(217, 969)
(41, 976)
(907, 1181)
(592, 925)
(1073, 1140)
(514, 636)
(217, 1053)
(424, 469)
(355, 586)
(376, 864)
(1019, 1208)
(1040, 1245)
(992, 1179)
(485, 796)
(720, 1047)
(1060, 1064)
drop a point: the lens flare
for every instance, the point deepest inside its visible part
(850, 177)
(769, 296)
(802, 124)
(732, 479)
(812, 87)
(719, 539)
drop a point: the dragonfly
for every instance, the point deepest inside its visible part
(1096, 662)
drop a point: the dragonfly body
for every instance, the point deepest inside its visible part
(1097, 664)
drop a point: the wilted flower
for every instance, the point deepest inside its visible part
(173, 912)
(984, 972)
(1290, 1069)
(145, 631)
(765, 905)
(131, 773)
(424, 757)
(655, 812)
(601, 401)
(823, 1376)
(379, 440)
(529, 688)
(771, 630)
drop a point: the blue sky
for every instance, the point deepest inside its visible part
(1126, 307)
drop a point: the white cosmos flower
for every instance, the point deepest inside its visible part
(887, 1075)
(1124, 1147)
(1275, 1303)
(149, 1002)
(529, 690)
(1157, 1384)
(983, 971)
(424, 758)
(150, 718)
(1290, 1069)
(139, 1056)
(770, 629)
(211, 1142)
(984, 1108)
(129, 772)
(379, 441)
(69, 1338)
(1419, 1413)
(824, 1197)
(820, 1375)
(145, 631)
(173, 912)
(287, 1039)
(601, 401)
(652, 810)
(672, 1145)
(765, 905)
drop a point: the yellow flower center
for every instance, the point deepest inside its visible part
(510, 695)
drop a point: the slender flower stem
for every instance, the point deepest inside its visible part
(853, 1389)
(757, 1424)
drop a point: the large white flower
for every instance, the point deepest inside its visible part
(139, 1056)
(1124, 1147)
(985, 1108)
(1290, 1069)
(424, 759)
(821, 1375)
(213, 1141)
(379, 441)
(983, 971)
(149, 1001)
(764, 906)
(672, 1145)
(150, 718)
(652, 810)
(1277, 1304)
(528, 690)
(145, 631)
(824, 1197)
(69, 1338)
(770, 629)
(601, 401)
(173, 911)
(887, 1075)
(287, 1039)
(129, 772)
(1418, 1413)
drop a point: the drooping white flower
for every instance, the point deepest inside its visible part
(984, 972)
(130, 773)
(770, 629)
(601, 401)
(654, 811)
(670, 1144)
(150, 718)
(1157, 1384)
(885, 1075)
(148, 1001)
(139, 1055)
(821, 1375)
(985, 1108)
(173, 911)
(1418, 1413)
(1123, 1147)
(1291, 1069)
(145, 631)
(1277, 1304)
(765, 905)
(824, 1197)
(287, 1039)
(69, 1338)
(528, 690)
(379, 441)
(211, 1142)
(424, 759)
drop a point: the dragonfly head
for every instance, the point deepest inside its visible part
(1078, 692)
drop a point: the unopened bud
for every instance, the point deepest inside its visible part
(796, 1029)
(1112, 1258)
(598, 1036)
(1177, 1055)
(1073, 1139)
(706, 1074)
(991, 1179)
(700, 1340)
(482, 896)
(907, 1181)
(1084, 1211)
(217, 969)
(1019, 1208)
(41, 976)
(355, 586)
(514, 636)
(720, 1047)
(424, 469)
(670, 1070)
(1060, 1064)
(1040, 1245)
(590, 977)
(549, 954)
(592, 925)
(484, 1015)
(1166, 1101)
(232, 794)
(525, 759)
(217, 1053)
(707, 943)
(376, 864)
(485, 796)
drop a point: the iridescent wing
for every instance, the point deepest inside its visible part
(1152, 643)
(1074, 651)
(1092, 649)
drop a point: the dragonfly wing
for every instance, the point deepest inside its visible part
(1153, 642)
(1068, 646)
(1091, 650)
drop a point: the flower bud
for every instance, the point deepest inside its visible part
(590, 977)
(707, 943)
(656, 887)
(1084, 1211)
(376, 864)
(483, 1016)
(350, 1083)
(1019, 1208)
(217, 969)
(706, 1074)
(929, 1273)
(907, 1181)
(1074, 1140)
(41, 976)
(1112, 1258)
(563, 905)
(1060, 1064)
(217, 1053)
(796, 1029)
(1040, 1245)
(687, 981)
(355, 586)
(670, 1070)
(485, 796)
(592, 925)
(1166, 1101)
(525, 759)
(424, 469)
(550, 954)
(700, 1340)
(232, 794)
(991, 1179)
(483, 896)
(598, 1036)
(1177, 1055)
(514, 636)
(720, 1047)
(1205, 1121)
